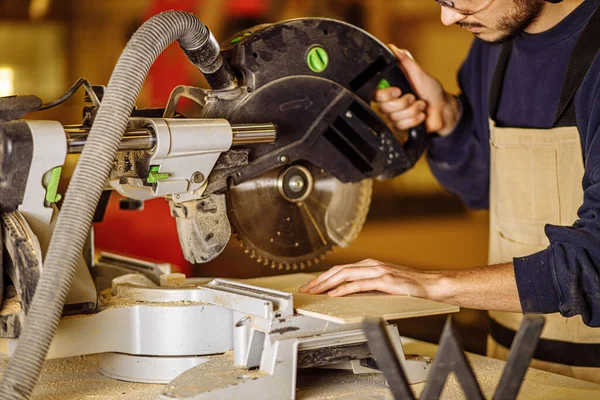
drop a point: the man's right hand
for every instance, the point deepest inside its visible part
(438, 109)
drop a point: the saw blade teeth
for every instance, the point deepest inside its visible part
(237, 236)
(282, 253)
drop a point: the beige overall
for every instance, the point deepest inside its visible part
(536, 179)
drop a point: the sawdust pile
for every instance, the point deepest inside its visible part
(78, 378)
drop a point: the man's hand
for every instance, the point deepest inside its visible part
(484, 288)
(369, 275)
(438, 109)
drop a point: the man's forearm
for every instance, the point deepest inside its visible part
(486, 288)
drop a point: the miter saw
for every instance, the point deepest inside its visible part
(281, 153)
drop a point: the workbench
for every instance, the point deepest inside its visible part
(78, 378)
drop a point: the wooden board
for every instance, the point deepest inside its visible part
(351, 309)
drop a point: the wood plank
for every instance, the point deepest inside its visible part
(351, 309)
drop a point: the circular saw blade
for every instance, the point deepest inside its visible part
(294, 232)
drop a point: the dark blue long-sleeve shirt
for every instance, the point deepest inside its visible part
(565, 277)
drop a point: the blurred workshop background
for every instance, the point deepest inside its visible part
(46, 45)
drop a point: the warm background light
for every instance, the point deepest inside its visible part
(38, 9)
(7, 77)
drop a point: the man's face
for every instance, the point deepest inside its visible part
(500, 21)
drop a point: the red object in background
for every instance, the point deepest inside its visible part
(158, 6)
(172, 66)
(247, 8)
(169, 70)
(150, 234)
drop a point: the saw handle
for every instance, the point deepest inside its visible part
(418, 138)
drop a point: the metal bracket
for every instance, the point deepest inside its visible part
(277, 304)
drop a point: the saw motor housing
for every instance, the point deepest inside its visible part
(315, 80)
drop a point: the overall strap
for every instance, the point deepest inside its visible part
(581, 59)
(498, 79)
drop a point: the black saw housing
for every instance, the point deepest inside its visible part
(315, 79)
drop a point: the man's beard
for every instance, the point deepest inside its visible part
(513, 22)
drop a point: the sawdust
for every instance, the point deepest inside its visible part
(218, 372)
(538, 385)
(108, 300)
(10, 306)
(78, 378)
(222, 364)
(338, 385)
(313, 384)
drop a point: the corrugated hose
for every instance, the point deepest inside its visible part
(88, 181)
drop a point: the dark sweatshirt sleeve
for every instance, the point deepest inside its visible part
(460, 161)
(565, 277)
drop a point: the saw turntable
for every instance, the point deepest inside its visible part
(281, 154)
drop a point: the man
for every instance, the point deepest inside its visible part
(523, 139)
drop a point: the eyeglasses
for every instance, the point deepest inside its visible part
(465, 7)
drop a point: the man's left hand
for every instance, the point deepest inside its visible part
(370, 275)
(483, 288)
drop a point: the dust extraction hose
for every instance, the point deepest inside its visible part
(92, 171)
